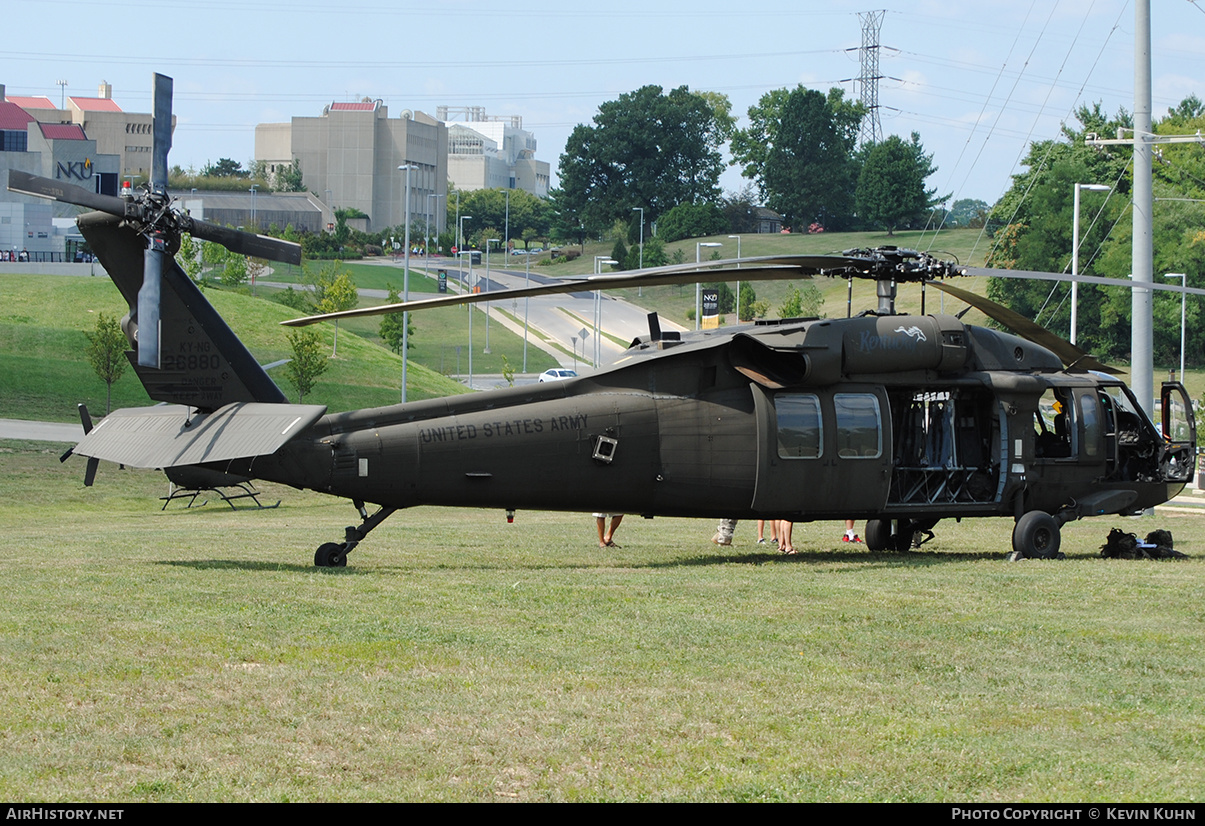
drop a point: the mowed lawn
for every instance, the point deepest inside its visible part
(198, 655)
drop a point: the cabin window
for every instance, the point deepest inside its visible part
(799, 427)
(859, 426)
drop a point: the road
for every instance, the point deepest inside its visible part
(561, 318)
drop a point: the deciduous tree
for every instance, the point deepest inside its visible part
(106, 352)
(799, 150)
(308, 362)
(393, 324)
(891, 186)
(647, 149)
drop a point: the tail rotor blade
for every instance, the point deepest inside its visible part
(161, 137)
(148, 303)
(90, 472)
(85, 418)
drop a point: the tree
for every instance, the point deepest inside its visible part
(799, 150)
(393, 324)
(891, 187)
(334, 292)
(308, 362)
(528, 214)
(805, 303)
(189, 256)
(214, 256)
(619, 254)
(740, 210)
(288, 178)
(107, 347)
(225, 168)
(750, 307)
(691, 221)
(647, 149)
(967, 212)
(1035, 219)
(235, 272)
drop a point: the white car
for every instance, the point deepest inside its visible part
(557, 374)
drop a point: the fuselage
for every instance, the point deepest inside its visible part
(849, 418)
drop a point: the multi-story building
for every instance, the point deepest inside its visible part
(128, 135)
(52, 148)
(349, 157)
(486, 152)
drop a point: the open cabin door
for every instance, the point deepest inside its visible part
(825, 453)
(1179, 434)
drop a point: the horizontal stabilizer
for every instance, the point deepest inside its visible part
(168, 436)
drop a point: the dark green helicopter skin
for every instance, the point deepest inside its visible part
(902, 420)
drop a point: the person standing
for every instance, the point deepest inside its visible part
(606, 538)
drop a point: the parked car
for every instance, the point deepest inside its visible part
(557, 374)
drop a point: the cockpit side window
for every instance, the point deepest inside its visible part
(1090, 419)
(1054, 425)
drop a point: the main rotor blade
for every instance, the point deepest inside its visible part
(40, 187)
(1095, 280)
(161, 135)
(767, 270)
(244, 243)
(1068, 353)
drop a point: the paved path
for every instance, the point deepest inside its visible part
(40, 431)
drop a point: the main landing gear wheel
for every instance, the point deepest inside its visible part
(878, 534)
(330, 555)
(1036, 536)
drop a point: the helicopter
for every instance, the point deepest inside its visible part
(903, 420)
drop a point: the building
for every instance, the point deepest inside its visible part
(349, 157)
(128, 135)
(51, 148)
(486, 152)
(255, 213)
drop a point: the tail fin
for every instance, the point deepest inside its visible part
(203, 364)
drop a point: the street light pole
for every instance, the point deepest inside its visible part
(738, 283)
(427, 246)
(1183, 283)
(488, 243)
(1075, 253)
(406, 280)
(641, 210)
(460, 230)
(599, 260)
(526, 306)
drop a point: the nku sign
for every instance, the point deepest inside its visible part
(80, 170)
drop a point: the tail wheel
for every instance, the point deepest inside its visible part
(1036, 536)
(330, 555)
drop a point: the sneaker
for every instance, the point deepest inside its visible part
(720, 539)
(848, 538)
(761, 541)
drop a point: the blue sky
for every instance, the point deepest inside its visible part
(977, 79)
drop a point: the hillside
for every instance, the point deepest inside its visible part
(44, 372)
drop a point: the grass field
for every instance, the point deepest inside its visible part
(197, 655)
